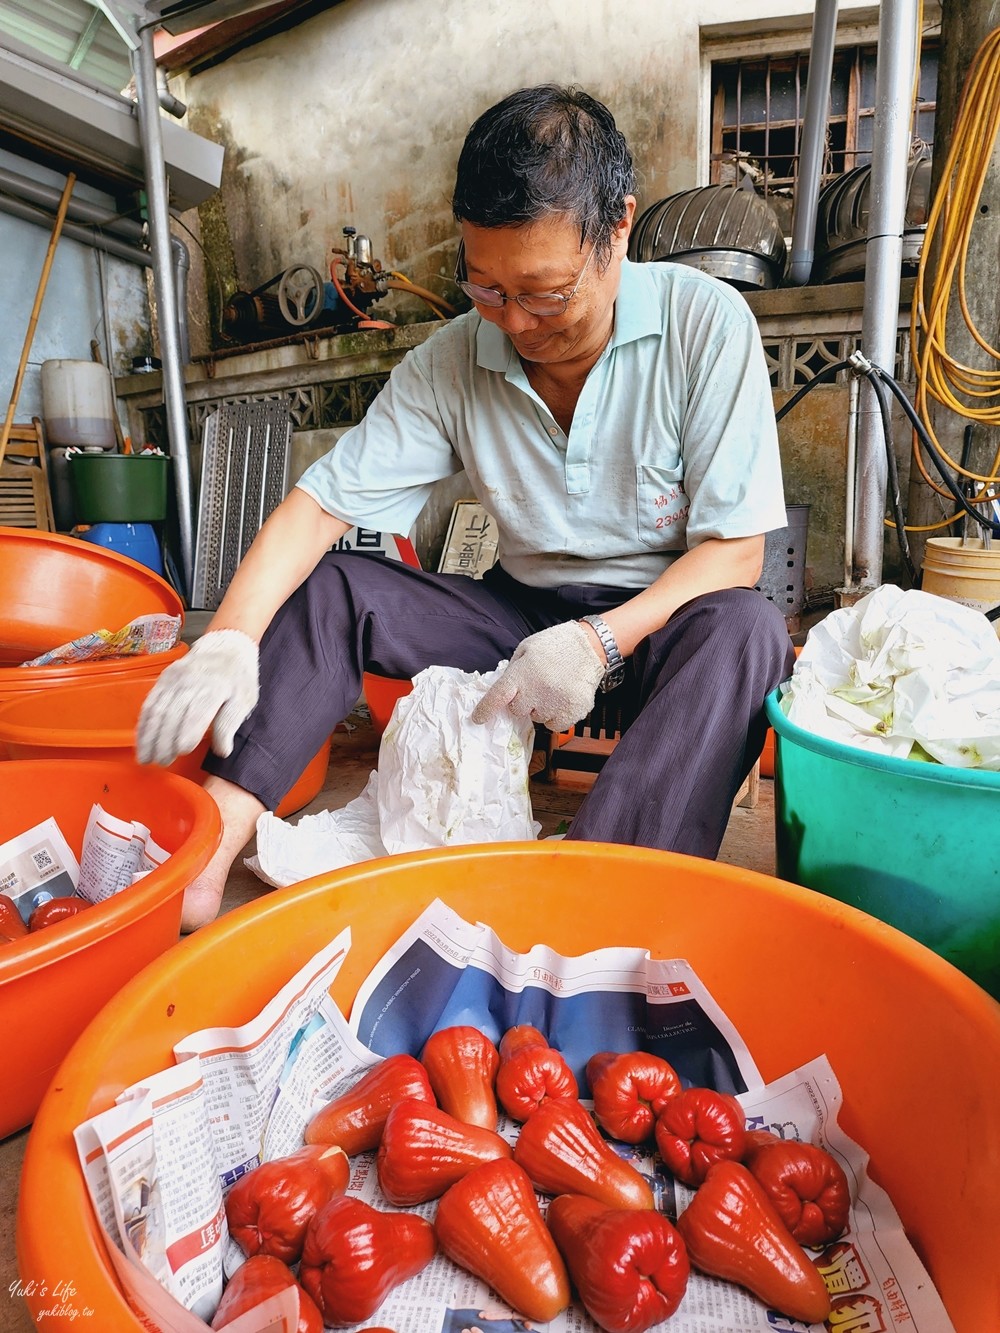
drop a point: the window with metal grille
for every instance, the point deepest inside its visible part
(757, 108)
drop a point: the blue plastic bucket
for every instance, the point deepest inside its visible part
(136, 540)
(911, 843)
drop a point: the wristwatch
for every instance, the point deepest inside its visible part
(615, 673)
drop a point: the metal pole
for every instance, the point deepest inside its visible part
(813, 142)
(851, 460)
(166, 296)
(897, 46)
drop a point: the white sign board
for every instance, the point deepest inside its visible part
(379, 543)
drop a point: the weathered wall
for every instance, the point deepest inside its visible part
(74, 309)
(356, 117)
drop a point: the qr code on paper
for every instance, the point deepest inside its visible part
(42, 860)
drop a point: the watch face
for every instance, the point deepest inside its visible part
(612, 679)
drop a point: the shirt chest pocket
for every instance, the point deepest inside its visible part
(661, 507)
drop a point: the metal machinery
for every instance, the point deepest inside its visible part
(300, 298)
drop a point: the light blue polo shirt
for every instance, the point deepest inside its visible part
(673, 439)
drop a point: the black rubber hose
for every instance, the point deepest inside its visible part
(877, 377)
(918, 426)
(897, 509)
(958, 526)
(826, 373)
(898, 517)
(932, 449)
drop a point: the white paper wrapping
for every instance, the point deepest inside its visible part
(442, 780)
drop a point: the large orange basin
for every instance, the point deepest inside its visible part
(98, 721)
(56, 588)
(915, 1044)
(381, 694)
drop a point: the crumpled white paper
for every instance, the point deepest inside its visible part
(442, 780)
(898, 669)
(289, 853)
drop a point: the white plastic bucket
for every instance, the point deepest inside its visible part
(78, 404)
(969, 574)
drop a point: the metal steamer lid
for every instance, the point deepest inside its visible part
(725, 230)
(842, 221)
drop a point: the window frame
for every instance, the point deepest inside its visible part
(744, 41)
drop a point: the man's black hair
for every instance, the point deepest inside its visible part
(542, 151)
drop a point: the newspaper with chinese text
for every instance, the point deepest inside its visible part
(39, 864)
(145, 634)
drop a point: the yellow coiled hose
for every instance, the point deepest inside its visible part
(970, 392)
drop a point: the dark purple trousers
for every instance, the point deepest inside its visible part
(699, 683)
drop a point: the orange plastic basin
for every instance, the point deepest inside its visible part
(56, 588)
(54, 982)
(16, 682)
(915, 1044)
(98, 720)
(381, 694)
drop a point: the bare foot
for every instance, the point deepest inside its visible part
(240, 812)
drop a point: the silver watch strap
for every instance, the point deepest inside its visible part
(616, 663)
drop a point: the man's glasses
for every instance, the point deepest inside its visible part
(535, 303)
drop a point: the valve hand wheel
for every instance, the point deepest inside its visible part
(300, 295)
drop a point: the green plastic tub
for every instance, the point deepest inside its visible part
(911, 843)
(118, 488)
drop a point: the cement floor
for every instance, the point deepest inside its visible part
(749, 843)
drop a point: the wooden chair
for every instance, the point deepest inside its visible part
(25, 495)
(585, 748)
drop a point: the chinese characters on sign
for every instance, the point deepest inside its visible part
(471, 544)
(379, 543)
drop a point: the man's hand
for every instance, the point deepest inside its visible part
(214, 685)
(552, 678)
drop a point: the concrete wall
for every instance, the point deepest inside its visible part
(356, 117)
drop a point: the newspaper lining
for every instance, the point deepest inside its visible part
(39, 858)
(116, 854)
(255, 1089)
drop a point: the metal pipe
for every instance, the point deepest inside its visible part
(813, 143)
(150, 136)
(182, 267)
(97, 239)
(80, 210)
(172, 105)
(851, 464)
(897, 48)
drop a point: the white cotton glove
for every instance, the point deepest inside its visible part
(214, 685)
(552, 678)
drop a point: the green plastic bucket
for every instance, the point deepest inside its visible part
(911, 843)
(118, 488)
